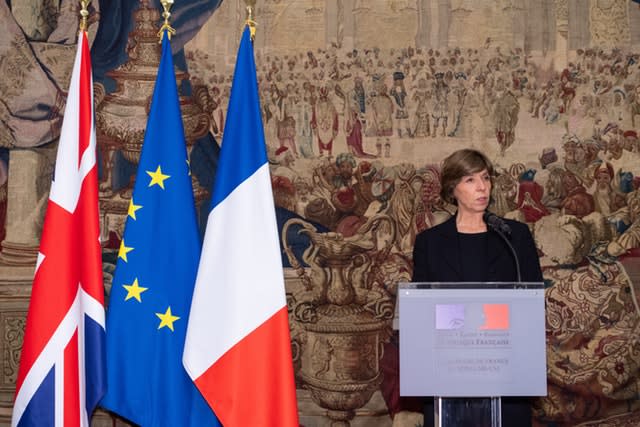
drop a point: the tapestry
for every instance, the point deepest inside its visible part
(361, 101)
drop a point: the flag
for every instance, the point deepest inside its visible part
(62, 374)
(238, 349)
(154, 277)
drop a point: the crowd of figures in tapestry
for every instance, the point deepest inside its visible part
(340, 125)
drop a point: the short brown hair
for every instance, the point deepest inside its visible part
(459, 164)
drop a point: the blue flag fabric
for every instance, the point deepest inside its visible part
(154, 278)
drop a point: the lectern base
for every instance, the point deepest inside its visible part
(467, 412)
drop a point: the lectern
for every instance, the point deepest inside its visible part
(468, 344)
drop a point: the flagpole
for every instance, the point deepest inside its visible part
(249, 21)
(166, 14)
(84, 14)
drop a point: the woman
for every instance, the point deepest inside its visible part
(463, 249)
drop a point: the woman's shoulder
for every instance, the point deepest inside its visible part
(443, 227)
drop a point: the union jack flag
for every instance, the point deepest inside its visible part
(62, 368)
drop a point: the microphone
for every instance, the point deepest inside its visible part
(496, 223)
(503, 230)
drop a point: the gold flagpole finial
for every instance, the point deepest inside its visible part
(251, 4)
(166, 5)
(84, 14)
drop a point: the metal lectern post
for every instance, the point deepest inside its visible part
(467, 412)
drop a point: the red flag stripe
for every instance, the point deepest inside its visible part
(85, 101)
(71, 391)
(235, 385)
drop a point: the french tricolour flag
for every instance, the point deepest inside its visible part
(62, 372)
(238, 348)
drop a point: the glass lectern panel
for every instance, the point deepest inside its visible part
(463, 342)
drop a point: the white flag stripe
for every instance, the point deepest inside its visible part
(65, 188)
(239, 286)
(39, 260)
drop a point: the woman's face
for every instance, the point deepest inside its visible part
(473, 192)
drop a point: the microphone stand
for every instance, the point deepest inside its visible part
(496, 223)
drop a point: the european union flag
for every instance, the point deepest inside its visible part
(154, 278)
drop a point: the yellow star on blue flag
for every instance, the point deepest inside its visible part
(157, 177)
(133, 208)
(134, 290)
(123, 251)
(167, 319)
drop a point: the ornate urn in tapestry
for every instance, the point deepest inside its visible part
(342, 315)
(121, 116)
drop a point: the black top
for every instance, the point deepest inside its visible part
(439, 256)
(473, 254)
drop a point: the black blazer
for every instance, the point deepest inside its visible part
(436, 255)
